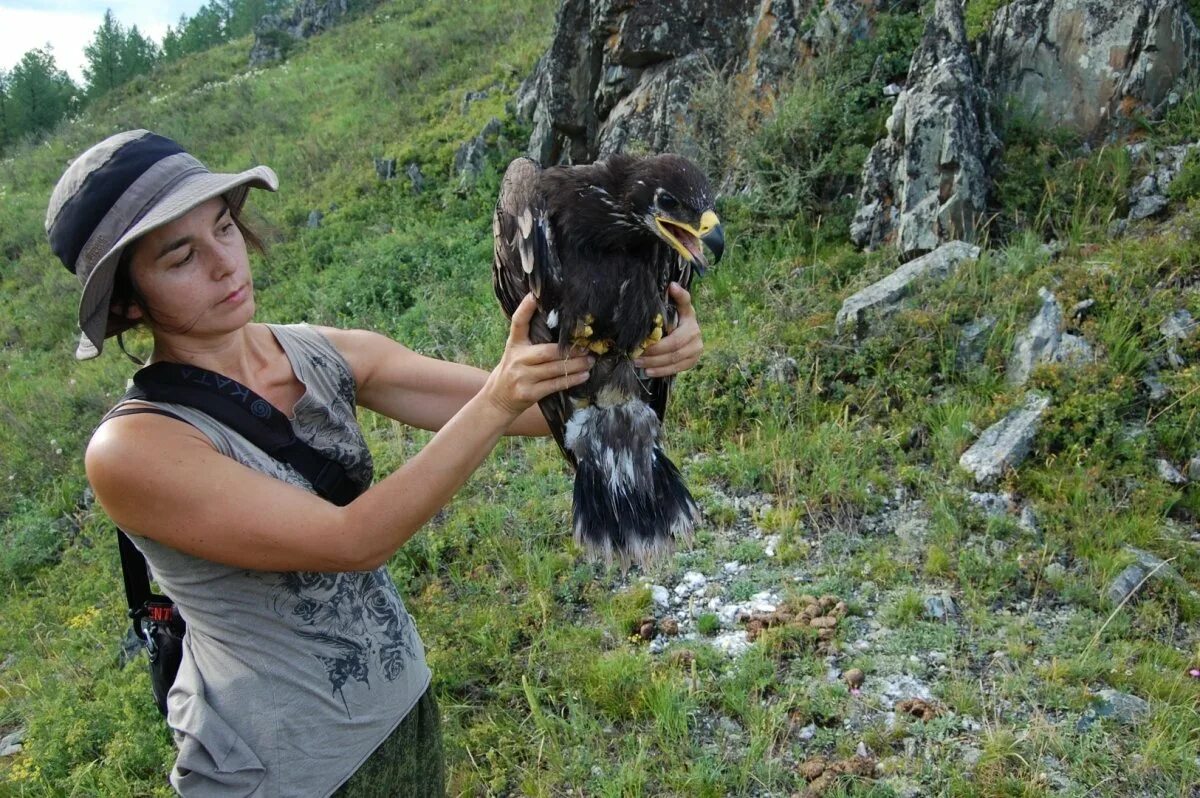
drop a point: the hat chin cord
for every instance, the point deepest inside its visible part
(121, 343)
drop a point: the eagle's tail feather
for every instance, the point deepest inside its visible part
(630, 500)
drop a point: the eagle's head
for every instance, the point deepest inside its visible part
(670, 196)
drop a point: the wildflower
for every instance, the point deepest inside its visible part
(1194, 673)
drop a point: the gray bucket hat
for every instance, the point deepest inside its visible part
(120, 189)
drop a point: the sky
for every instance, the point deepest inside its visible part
(69, 25)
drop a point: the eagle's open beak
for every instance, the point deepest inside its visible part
(686, 239)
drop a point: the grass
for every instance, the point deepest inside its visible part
(543, 690)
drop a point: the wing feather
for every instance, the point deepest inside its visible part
(657, 390)
(525, 260)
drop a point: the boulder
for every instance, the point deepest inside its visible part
(1146, 567)
(1087, 65)
(972, 342)
(926, 181)
(882, 297)
(1006, 443)
(1044, 342)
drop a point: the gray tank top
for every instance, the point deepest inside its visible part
(288, 680)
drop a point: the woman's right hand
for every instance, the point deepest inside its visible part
(528, 372)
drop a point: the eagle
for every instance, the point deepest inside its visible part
(598, 246)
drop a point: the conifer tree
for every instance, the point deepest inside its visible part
(104, 70)
(7, 134)
(139, 54)
(39, 92)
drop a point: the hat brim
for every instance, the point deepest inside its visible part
(189, 193)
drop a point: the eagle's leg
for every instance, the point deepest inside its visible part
(654, 337)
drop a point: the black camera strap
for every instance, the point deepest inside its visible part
(228, 401)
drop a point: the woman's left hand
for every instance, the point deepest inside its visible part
(680, 349)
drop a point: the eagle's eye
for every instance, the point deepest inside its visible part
(667, 203)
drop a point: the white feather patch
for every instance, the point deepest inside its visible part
(575, 425)
(552, 319)
(525, 221)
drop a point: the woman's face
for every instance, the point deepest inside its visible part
(194, 273)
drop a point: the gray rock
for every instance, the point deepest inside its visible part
(940, 607)
(1147, 196)
(897, 687)
(1169, 473)
(472, 97)
(1147, 206)
(882, 297)
(1086, 65)
(782, 370)
(1146, 567)
(1054, 572)
(469, 162)
(661, 596)
(1006, 443)
(314, 219)
(1121, 707)
(1158, 391)
(926, 181)
(693, 582)
(413, 170)
(1044, 342)
(619, 74)
(994, 505)
(731, 644)
(1179, 326)
(1029, 520)
(973, 340)
(1081, 307)
(11, 743)
(1193, 468)
(275, 34)
(385, 168)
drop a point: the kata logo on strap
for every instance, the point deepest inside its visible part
(230, 387)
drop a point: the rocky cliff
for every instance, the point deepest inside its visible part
(621, 76)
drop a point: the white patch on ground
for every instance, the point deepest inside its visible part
(731, 644)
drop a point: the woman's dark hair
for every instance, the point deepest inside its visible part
(125, 293)
(125, 289)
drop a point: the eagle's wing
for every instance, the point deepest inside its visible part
(525, 260)
(657, 390)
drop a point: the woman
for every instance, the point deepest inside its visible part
(302, 672)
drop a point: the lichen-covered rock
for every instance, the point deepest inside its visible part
(1006, 443)
(926, 181)
(275, 33)
(1045, 342)
(621, 75)
(881, 297)
(1089, 65)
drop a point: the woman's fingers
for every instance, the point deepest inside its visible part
(682, 347)
(518, 331)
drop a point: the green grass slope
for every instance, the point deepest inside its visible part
(548, 691)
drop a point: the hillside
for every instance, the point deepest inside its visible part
(826, 461)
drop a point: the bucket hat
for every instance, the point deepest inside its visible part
(117, 191)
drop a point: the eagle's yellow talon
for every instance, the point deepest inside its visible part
(636, 352)
(600, 347)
